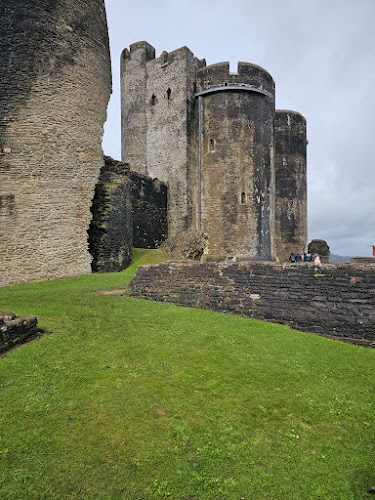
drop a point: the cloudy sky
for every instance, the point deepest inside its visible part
(321, 54)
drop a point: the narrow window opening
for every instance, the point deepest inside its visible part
(153, 100)
(243, 198)
(212, 144)
(169, 94)
(164, 58)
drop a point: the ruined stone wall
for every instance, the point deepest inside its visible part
(15, 330)
(237, 171)
(55, 84)
(291, 184)
(111, 228)
(149, 211)
(334, 300)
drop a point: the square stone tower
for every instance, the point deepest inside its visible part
(158, 109)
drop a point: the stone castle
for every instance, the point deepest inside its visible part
(234, 167)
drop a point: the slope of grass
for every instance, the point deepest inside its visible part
(131, 399)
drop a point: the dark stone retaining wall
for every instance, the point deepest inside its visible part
(15, 330)
(332, 300)
(149, 208)
(128, 209)
(111, 228)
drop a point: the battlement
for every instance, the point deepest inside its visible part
(248, 75)
(142, 49)
(144, 52)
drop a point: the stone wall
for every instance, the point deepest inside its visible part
(111, 228)
(333, 300)
(129, 209)
(15, 330)
(149, 211)
(55, 83)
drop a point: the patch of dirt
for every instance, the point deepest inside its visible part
(113, 292)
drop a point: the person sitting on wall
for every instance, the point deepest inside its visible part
(292, 257)
(298, 257)
(317, 260)
(308, 256)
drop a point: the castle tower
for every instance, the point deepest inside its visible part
(291, 186)
(133, 104)
(55, 83)
(235, 201)
(158, 104)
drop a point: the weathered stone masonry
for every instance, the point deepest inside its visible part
(111, 228)
(290, 183)
(211, 135)
(15, 330)
(335, 300)
(129, 209)
(236, 192)
(55, 83)
(149, 210)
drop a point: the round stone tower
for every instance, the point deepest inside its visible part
(291, 184)
(235, 195)
(55, 83)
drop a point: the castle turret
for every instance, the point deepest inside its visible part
(291, 186)
(55, 83)
(235, 200)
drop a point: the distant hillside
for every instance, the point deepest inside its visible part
(339, 259)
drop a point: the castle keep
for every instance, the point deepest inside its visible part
(55, 83)
(235, 167)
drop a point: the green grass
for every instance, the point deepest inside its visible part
(132, 399)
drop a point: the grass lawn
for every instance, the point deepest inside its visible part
(133, 399)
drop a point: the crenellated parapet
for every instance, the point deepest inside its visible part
(141, 51)
(249, 77)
